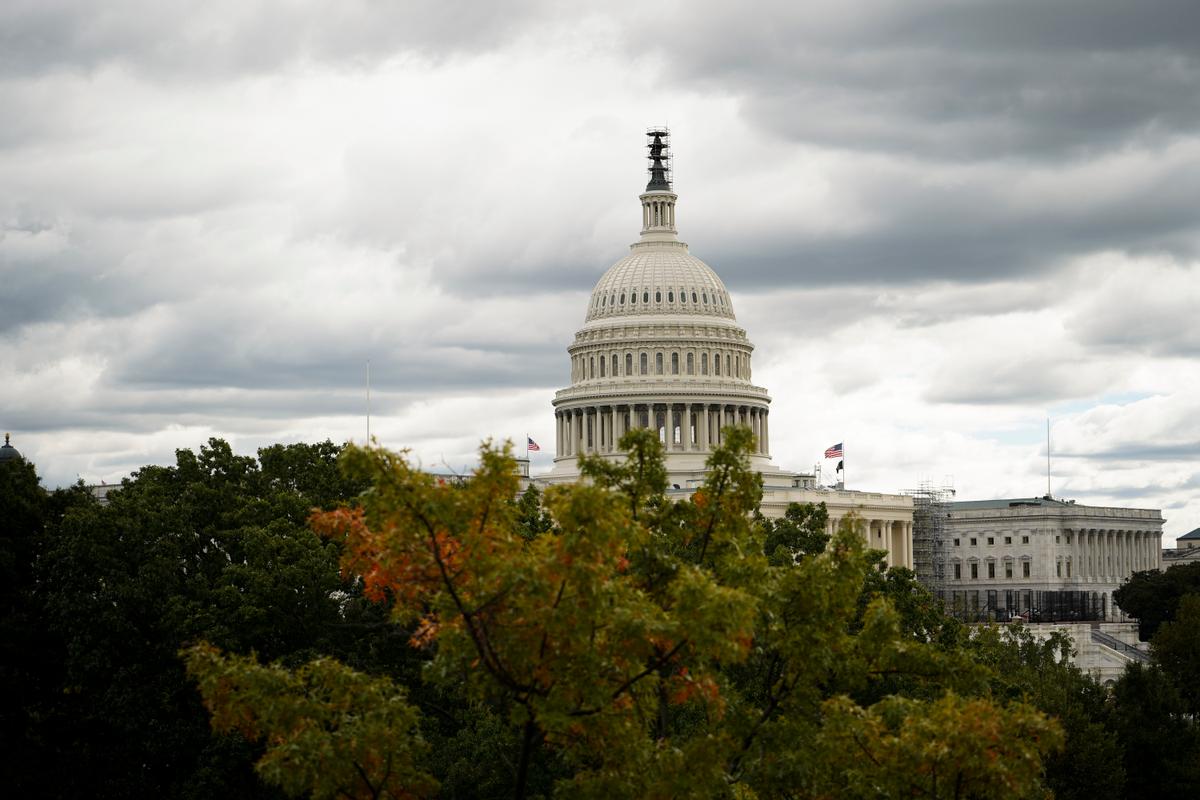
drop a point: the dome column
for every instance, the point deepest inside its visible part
(704, 428)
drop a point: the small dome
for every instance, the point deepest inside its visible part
(8, 452)
(659, 278)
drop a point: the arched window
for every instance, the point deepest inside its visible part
(727, 372)
(693, 296)
(737, 366)
(601, 366)
(658, 363)
(604, 301)
(614, 365)
(628, 364)
(622, 298)
(704, 297)
(674, 363)
(592, 367)
(704, 363)
(717, 363)
(691, 364)
(645, 364)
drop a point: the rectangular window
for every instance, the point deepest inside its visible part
(974, 572)
(991, 540)
(1068, 569)
(956, 541)
(1025, 569)
(1024, 540)
(973, 542)
(1008, 569)
(991, 569)
(958, 572)
(1057, 539)
(1058, 569)
(1008, 540)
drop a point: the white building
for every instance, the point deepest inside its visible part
(661, 348)
(1042, 558)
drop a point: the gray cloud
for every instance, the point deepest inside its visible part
(176, 38)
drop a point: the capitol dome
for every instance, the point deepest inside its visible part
(658, 279)
(660, 348)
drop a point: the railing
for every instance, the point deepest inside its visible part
(1113, 643)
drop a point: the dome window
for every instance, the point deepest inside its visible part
(683, 295)
(633, 298)
(658, 363)
(622, 298)
(614, 365)
(645, 364)
(704, 363)
(628, 364)
(674, 363)
(693, 297)
(670, 297)
(646, 297)
(705, 296)
(603, 301)
(658, 296)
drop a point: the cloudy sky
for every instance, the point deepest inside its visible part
(942, 222)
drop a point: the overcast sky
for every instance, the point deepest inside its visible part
(941, 223)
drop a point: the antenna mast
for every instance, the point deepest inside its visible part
(1048, 495)
(368, 402)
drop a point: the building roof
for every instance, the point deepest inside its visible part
(1013, 502)
(8, 452)
(660, 278)
(1191, 534)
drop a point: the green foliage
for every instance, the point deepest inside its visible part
(798, 533)
(1176, 649)
(647, 647)
(333, 732)
(951, 748)
(1153, 596)
(216, 547)
(1160, 744)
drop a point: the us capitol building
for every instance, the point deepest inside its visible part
(661, 348)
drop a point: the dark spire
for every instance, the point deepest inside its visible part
(659, 144)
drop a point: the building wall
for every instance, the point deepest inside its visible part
(1028, 546)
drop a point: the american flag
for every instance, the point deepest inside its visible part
(532, 444)
(835, 451)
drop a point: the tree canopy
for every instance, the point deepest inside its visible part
(650, 646)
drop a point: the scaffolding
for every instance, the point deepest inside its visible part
(929, 545)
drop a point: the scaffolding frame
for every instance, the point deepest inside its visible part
(929, 545)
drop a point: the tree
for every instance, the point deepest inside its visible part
(1176, 649)
(649, 646)
(1159, 743)
(216, 547)
(801, 531)
(1153, 596)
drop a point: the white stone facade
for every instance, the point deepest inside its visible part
(1002, 552)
